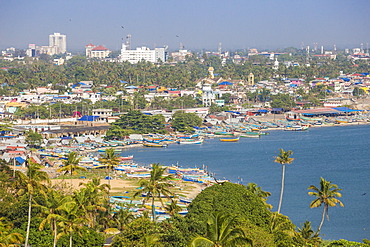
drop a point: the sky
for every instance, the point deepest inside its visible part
(197, 24)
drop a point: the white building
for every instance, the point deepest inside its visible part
(208, 96)
(142, 53)
(59, 42)
(99, 51)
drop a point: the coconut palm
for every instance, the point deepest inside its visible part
(122, 218)
(257, 190)
(110, 159)
(283, 158)
(53, 200)
(309, 236)
(172, 208)
(326, 195)
(70, 220)
(70, 165)
(34, 180)
(221, 232)
(9, 239)
(156, 186)
(91, 199)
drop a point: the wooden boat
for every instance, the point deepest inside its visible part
(250, 136)
(293, 119)
(190, 141)
(296, 128)
(311, 119)
(154, 145)
(341, 120)
(229, 139)
(130, 157)
(224, 133)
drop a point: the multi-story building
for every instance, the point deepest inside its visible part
(99, 51)
(58, 42)
(142, 53)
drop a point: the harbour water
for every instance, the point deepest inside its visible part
(338, 154)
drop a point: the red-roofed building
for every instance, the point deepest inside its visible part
(99, 51)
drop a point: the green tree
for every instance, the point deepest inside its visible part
(257, 190)
(222, 231)
(8, 239)
(326, 196)
(309, 236)
(283, 158)
(33, 138)
(70, 165)
(32, 181)
(155, 187)
(184, 122)
(70, 220)
(110, 159)
(53, 200)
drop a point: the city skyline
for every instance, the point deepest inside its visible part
(196, 25)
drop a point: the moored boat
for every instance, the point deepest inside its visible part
(155, 145)
(229, 139)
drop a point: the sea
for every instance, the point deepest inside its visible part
(340, 154)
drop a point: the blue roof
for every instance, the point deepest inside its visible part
(20, 160)
(131, 87)
(225, 83)
(344, 109)
(88, 118)
(123, 81)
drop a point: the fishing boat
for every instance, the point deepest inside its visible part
(224, 133)
(250, 136)
(190, 141)
(154, 145)
(293, 119)
(229, 139)
(311, 119)
(130, 157)
(296, 128)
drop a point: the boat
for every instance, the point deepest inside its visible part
(296, 128)
(229, 139)
(154, 145)
(293, 119)
(311, 119)
(130, 157)
(250, 136)
(224, 133)
(190, 141)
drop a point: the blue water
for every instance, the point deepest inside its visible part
(338, 154)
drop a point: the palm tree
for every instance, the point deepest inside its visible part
(222, 231)
(283, 158)
(122, 218)
(31, 182)
(53, 200)
(257, 190)
(91, 199)
(308, 235)
(8, 239)
(156, 186)
(70, 165)
(70, 220)
(325, 195)
(172, 208)
(110, 159)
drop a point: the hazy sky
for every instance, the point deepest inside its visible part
(197, 24)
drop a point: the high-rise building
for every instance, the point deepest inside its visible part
(58, 43)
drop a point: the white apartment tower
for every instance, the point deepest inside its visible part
(58, 43)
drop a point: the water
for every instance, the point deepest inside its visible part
(338, 154)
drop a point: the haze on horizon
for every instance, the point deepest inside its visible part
(237, 24)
